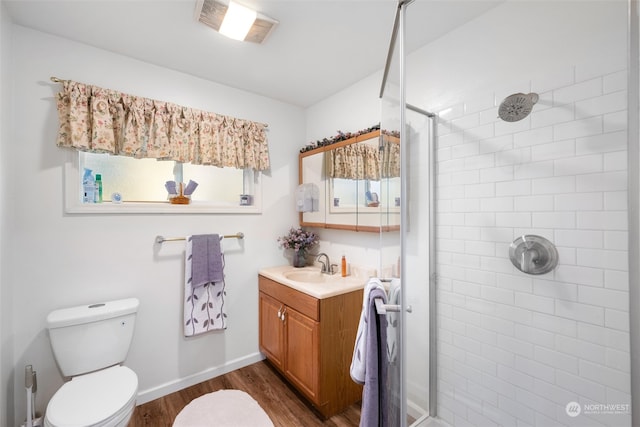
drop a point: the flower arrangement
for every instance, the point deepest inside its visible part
(341, 136)
(298, 239)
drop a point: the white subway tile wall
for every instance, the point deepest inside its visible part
(515, 349)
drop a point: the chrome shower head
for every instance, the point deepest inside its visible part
(517, 106)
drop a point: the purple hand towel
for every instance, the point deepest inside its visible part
(373, 412)
(206, 262)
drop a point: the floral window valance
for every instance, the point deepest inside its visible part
(361, 161)
(107, 121)
(355, 161)
(390, 160)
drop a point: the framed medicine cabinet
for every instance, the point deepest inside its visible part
(357, 182)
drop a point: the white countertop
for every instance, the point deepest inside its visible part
(330, 286)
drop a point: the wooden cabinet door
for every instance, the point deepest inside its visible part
(272, 330)
(302, 352)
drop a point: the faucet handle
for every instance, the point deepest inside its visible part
(331, 268)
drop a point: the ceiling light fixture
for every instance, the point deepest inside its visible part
(235, 20)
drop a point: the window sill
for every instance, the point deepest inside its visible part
(158, 207)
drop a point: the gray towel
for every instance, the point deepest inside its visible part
(374, 394)
(206, 262)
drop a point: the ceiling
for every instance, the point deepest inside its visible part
(319, 47)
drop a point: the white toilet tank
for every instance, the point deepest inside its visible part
(92, 337)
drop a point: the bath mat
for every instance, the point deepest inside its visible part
(224, 408)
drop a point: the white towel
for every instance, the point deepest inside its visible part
(359, 358)
(204, 306)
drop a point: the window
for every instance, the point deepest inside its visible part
(141, 182)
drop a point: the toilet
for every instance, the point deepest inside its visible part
(90, 343)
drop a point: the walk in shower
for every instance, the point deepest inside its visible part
(514, 135)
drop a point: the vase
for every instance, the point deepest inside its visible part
(299, 258)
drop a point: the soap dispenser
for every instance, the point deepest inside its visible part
(344, 266)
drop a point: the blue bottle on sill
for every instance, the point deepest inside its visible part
(88, 187)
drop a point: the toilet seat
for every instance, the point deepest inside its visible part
(101, 398)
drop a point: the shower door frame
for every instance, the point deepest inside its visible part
(633, 138)
(399, 29)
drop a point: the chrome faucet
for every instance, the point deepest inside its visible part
(326, 266)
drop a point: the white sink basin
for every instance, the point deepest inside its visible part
(311, 281)
(306, 276)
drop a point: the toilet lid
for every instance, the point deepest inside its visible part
(92, 398)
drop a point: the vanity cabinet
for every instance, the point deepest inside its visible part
(310, 341)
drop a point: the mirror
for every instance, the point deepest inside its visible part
(359, 181)
(312, 170)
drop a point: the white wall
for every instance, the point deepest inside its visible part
(355, 108)
(59, 260)
(6, 335)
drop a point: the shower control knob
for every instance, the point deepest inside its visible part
(533, 254)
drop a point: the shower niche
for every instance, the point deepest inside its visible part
(358, 183)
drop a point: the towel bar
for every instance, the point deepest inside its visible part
(162, 239)
(383, 308)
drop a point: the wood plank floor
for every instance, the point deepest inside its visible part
(280, 401)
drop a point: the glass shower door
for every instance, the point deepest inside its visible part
(390, 254)
(405, 250)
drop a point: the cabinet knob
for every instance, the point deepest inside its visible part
(283, 313)
(280, 312)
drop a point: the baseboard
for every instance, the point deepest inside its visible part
(150, 394)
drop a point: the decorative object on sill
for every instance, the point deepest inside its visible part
(116, 198)
(171, 187)
(300, 241)
(372, 200)
(246, 200)
(180, 198)
(341, 136)
(101, 120)
(190, 188)
(178, 195)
